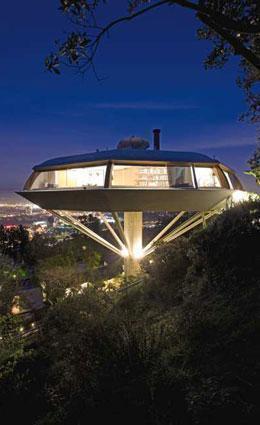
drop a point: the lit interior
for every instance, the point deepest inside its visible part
(207, 177)
(151, 176)
(140, 176)
(74, 177)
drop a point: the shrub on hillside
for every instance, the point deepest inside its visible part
(216, 323)
(181, 349)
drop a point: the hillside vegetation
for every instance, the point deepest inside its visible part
(180, 349)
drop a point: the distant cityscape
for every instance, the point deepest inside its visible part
(16, 211)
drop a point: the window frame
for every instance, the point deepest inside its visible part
(230, 184)
(238, 182)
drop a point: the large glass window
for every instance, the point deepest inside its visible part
(74, 177)
(207, 177)
(45, 180)
(233, 181)
(180, 177)
(89, 176)
(151, 176)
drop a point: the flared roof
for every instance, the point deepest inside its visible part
(126, 155)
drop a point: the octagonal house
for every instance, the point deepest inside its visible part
(133, 179)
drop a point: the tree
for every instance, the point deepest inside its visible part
(191, 357)
(12, 347)
(66, 267)
(10, 274)
(14, 242)
(213, 321)
(254, 163)
(233, 27)
(22, 376)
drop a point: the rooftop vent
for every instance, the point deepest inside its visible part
(133, 142)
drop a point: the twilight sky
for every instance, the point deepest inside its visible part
(154, 78)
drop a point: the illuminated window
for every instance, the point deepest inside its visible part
(45, 180)
(86, 177)
(74, 177)
(151, 176)
(180, 177)
(207, 177)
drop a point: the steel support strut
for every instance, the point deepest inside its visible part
(110, 228)
(164, 230)
(129, 237)
(68, 219)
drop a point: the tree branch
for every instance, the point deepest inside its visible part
(119, 21)
(220, 23)
(217, 21)
(132, 16)
(238, 47)
(223, 20)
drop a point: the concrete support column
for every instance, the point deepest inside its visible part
(133, 229)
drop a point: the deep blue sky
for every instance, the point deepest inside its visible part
(155, 78)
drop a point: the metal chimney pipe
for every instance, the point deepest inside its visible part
(156, 139)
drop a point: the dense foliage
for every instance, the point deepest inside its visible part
(254, 164)
(14, 243)
(182, 348)
(55, 265)
(10, 275)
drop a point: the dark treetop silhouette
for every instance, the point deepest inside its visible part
(233, 27)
